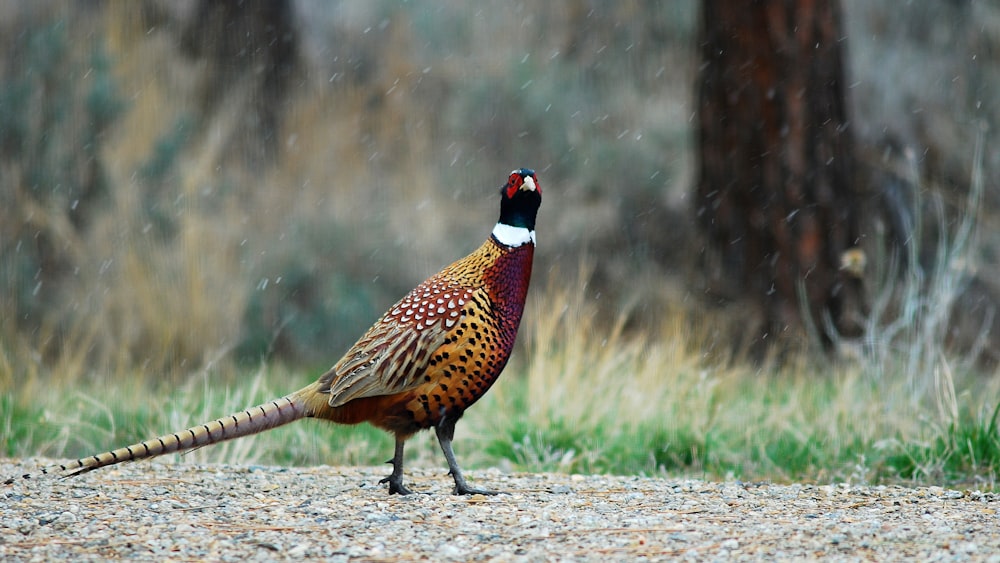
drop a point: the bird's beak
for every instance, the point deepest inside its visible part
(529, 184)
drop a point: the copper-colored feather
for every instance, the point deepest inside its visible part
(394, 352)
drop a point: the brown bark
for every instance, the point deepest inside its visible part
(774, 194)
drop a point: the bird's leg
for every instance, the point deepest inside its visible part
(445, 432)
(395, 479)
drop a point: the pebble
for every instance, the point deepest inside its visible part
(163, 510)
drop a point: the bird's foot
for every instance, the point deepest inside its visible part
(463, 488)
(396, 486)
(475, 491)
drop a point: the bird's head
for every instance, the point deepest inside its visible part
(519, 199)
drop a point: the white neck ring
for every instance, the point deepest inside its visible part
(513, 236)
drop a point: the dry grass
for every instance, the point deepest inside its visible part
(596, 398)
(585, 396)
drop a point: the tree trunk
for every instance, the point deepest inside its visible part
(774, 195)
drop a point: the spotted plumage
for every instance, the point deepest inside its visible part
(429, 358)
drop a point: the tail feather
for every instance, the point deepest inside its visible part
(251, 421)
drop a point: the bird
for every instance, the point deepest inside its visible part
(420, 366)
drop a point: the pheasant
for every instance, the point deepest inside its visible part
(430, 357)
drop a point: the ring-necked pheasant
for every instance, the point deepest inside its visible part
(430, 357)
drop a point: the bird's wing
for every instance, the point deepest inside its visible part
(392, 356)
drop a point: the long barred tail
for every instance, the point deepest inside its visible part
(251, 421)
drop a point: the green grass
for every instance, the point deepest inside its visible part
(965, 450)
(582, 397)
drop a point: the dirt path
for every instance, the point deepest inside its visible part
(161, 511)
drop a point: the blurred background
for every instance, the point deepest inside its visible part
(185, 183)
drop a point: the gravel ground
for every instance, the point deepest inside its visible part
(183, 512)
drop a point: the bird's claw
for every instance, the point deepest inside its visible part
(396, 486)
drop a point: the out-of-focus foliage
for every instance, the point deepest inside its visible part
(141, 223)
(57, 104)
